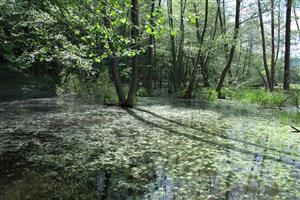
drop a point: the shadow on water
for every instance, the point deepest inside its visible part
(67, 149)
(202, 130)
(220, 146)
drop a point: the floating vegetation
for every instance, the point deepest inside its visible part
(65, 149)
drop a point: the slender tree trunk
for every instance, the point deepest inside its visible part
(286, 81)
(134, 47)
(203, 62)
(272, 77)
(247, 55)
(231, 54)
(149, 84)
(199, 59)
(173, 47)
(179, 63)
(296, 20)
(278, 33)
(263, 42)
(222, 18)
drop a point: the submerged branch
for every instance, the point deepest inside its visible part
(295, 130)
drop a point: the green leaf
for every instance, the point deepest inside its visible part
(123, 20)
(173, 33)
(193, 21)
(149, 30)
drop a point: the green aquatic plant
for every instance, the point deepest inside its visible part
(263, 97)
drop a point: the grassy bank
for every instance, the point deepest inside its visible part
(257, 96)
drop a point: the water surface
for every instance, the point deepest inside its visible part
(62, 148)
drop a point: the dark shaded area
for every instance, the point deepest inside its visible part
(16, 84)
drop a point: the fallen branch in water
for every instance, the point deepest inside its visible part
(295, 129)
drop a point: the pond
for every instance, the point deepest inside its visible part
(63, 148)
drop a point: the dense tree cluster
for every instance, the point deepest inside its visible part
(175, 44)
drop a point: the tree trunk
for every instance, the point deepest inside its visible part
(278, 33)
(173, 47)
(134, 60)
(114, 62)
(179, 63)
(296, 20)
(263, 42)
(203, 62)
(148, 82)
(272, 76)
(231, 54)
(286, 81)
(199, 59)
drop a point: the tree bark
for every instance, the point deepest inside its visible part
(114, 61)
(296, 20)
(286, 81)
(148, 82)
(231, 54)
(203, 62)
(272, 76)
(135, 47)
(179, 60)
(173, 47)
(263, 42)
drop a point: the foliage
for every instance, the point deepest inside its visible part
(262, 97)
(212, 95)
(142, 92)
(96, 87)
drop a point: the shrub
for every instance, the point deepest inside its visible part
(97, 88)
(142, 92)
(212, 95)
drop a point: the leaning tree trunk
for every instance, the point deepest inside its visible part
(134, 47)
(286, 81)
(231, 53)
(296, 20)
(263, 42)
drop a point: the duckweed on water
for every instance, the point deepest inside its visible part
(64, 149)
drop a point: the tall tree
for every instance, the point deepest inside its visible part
(135, 47)
(114, 61)
(296, 20)
(263, 43)
(179, 61)
(286, 81)
(200, 56)
(231, 53)
(151, 41)
(173, 47)
(272, 76)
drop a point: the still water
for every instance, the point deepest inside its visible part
(63, 148)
